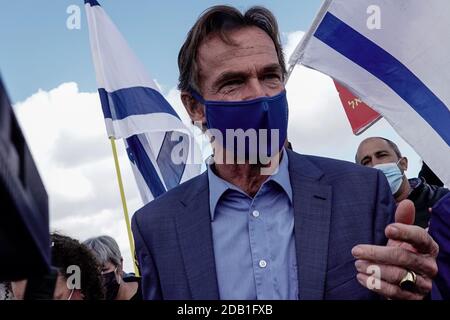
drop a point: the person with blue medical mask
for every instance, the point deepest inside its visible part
(384, 155)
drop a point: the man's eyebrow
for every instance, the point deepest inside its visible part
(228, 75)
(272, 68)
(376, 153)
(364, 158)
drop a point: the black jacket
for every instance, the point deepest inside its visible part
(424, 197)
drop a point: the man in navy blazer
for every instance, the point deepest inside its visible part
(287, 226)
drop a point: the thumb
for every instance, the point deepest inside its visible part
(406, 212)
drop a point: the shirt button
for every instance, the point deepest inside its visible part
(262, 263)
(255, 213)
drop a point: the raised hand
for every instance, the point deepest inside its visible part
(410, 252)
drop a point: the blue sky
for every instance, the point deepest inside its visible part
(38, 51)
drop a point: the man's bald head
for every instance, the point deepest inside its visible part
(375, 150)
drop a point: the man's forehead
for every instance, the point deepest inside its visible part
(245, 42)
(239, 52)
(373, 145)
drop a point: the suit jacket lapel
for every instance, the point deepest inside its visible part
(195, 238)
(312, 214)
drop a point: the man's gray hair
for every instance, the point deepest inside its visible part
(105, 249)
(220, 20)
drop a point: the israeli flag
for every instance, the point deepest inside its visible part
(395, 56)
(162, 150)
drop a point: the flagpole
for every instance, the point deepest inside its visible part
(288, 73)
(124, 204)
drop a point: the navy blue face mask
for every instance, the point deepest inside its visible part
(264, 115)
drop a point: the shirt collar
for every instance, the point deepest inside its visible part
(218, 186)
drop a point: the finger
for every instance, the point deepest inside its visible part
(415, 236)
(405, 212)
(392, 275)
(388, 290)
(397, 256)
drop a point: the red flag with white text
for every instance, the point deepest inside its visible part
(359, 114)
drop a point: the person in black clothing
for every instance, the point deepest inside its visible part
(383, 154)
(118, 284)
(429, 176)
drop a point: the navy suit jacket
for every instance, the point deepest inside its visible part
(337, 205)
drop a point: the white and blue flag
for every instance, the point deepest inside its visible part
(162, 150)
(395, 56)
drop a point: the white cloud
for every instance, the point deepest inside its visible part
(66, 134)
(291, 41)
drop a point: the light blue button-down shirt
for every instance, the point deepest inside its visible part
(254, 244)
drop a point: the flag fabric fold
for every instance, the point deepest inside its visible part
(136, 111)
(401, 68)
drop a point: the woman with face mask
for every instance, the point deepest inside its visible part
(117, 285)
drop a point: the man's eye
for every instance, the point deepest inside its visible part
(272, 76)
(231, 83)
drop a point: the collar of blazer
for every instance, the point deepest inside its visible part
(312, 212)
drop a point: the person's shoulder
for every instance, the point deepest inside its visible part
(350, 183)
(332, 168)
(439, 190)
(166, 205)
(435, 193)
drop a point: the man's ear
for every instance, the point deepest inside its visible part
(403, 164)
(194, 108)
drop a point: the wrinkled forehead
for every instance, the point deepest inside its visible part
(244, 42)
(240, 52)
